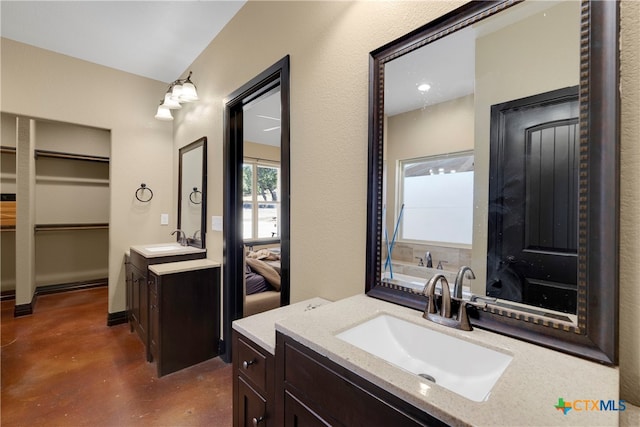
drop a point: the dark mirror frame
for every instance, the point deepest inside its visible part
(595, 336)
(201, 142)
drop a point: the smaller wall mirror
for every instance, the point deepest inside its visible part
(192, 192)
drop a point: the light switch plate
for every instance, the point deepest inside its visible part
(164, 219)
(216, 223)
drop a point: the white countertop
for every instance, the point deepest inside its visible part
(260, 328)
(182, 266)
(173, 248)
(526, 394)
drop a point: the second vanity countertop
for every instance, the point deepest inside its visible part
(260, 328)
(182, 266)
(526, 394)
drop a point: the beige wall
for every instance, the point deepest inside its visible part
(141, 147)
(329, 44)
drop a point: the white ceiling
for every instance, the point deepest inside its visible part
(154, 39)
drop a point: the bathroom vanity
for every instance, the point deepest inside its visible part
(140, 258)
(184, 323)
(322, 377)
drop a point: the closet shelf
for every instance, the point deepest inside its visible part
(40, 179)
(71, 156)
(68, 227)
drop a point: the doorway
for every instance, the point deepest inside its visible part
(244, 216)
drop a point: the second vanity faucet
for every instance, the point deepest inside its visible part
(182, 238)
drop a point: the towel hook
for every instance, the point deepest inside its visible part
(140, 193)
(193, 194)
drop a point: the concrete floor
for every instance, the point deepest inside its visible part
(62, 366)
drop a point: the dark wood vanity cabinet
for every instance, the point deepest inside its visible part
(137, 292)
(253, 384)
(183, 318)
(311, 390)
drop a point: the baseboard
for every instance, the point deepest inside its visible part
(116, 318)
(68, 287)
(27, 309)
(24, 309)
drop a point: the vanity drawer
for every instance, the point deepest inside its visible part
(252, 364)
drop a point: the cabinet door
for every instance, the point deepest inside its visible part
(154, 320)
(296, 414)
(252, 409)
(139, 305)
(129, 289)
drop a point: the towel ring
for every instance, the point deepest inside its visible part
(193, 194)
(140, 192)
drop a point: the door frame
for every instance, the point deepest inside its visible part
(233, 293)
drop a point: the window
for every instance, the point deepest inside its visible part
(260, 200)
(436, 199)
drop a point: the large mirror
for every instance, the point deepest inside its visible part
(192, 192)
(493, 145)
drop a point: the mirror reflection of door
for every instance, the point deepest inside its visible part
(533, 201)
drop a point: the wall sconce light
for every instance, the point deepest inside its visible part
(180, 91)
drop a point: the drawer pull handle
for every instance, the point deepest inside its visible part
(257, 421)
(246, 365)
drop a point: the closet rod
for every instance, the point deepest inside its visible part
(66, 227)
(61, 155)
(5, 149)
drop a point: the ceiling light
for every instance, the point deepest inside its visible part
(181, 90)
(424, 87)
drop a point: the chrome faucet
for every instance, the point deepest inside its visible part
(182, 239)
(444, 317)
(457, 287)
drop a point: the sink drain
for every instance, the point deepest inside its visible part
(427, 377)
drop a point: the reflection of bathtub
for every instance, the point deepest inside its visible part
(416, 277)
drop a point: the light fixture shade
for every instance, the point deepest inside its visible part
(170, 103)
(176, 91)
(163, 113)
(188, 93)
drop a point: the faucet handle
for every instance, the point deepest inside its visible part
(463, 317)
(420, 261)
(430, 291)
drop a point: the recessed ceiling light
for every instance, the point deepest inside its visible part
(424, 87)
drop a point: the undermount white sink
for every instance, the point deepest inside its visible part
(462, 367)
